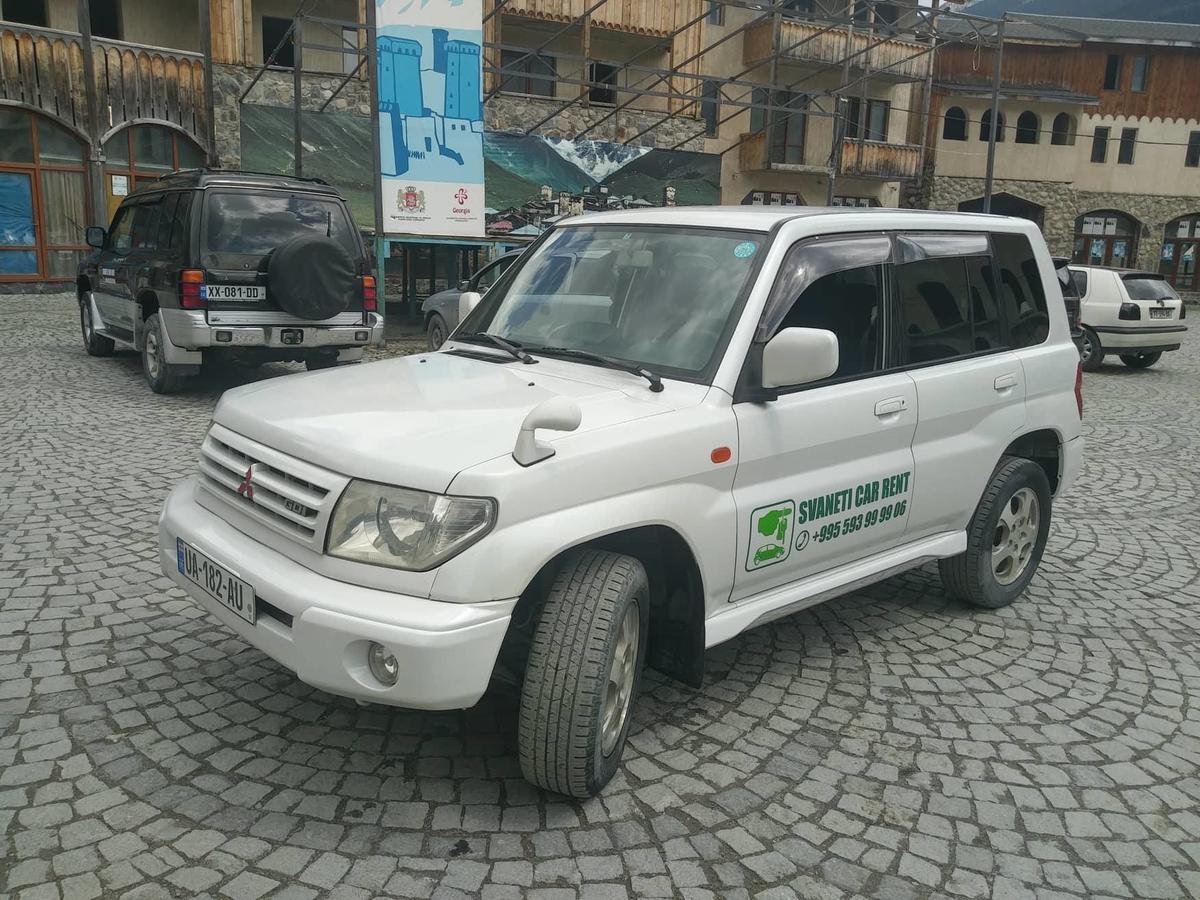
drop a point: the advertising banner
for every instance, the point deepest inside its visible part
(431, 116)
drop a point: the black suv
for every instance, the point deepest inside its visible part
(205, 264)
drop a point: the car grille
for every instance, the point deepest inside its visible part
(284, 493)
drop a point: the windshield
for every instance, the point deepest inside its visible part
(659, 297)
(1149, 289)
(258, 223)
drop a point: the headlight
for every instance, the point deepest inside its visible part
(405, 529)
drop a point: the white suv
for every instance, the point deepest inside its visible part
(1135, 315)
(657, 430)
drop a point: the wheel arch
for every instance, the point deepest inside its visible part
(147, 302)
(1044, 447)
(677, 608)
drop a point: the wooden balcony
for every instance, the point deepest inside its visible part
(810, 42)
(44, 68)
(651, 17)
(875, 159)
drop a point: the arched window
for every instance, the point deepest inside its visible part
(954, 128)
(985, 126)
(1106, 237)
(1062, 132)
(43, 198)
(139, 154)
(1177, 258)
(1027, 127)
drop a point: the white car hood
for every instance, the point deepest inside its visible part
(417, 421)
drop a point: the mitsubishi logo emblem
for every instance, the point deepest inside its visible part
(246, 489)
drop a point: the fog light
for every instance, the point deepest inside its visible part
(383, 665)
(224, 337)
(361, 335)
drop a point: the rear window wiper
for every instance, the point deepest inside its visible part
(609, 362)
(514, 350)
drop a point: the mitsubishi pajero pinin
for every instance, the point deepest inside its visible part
(658, 429)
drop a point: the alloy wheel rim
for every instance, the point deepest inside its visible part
(1016, 535)
(87, 324)
(152, 361)
(618, 695)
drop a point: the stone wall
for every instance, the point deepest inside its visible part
(275, 89)
(508, 113)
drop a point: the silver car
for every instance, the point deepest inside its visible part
(440, 310)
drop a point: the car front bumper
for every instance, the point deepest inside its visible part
(191, 330)
(445, 651)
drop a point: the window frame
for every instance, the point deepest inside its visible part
(525, 58)
(1066, 136)
(961, 126)
(985, 125)
(1025, 133)
(716, 13)
(854, 113)
(710, 106)
(1099, 152)
(1191, 156)
(602, 87)
(289, 45)
(1127, 147)
(1139, 79)
(1113, 72)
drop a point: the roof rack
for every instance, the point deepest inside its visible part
(217, 171)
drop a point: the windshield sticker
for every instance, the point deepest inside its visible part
(843, 511)
(745, 249)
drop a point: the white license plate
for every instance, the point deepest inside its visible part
(1160, 313)
(217, 581)
(236, 293)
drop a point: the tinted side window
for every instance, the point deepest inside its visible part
(849, 303)
(935, 317)
(489, 274)
(120, 235)
(987, 329)
(1080, 280)
(145, 225)
(179, 222)
(166, 217)
(1020, 288)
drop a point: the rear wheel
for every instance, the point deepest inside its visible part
(1005, 538)
(436, 332)
(584, 669)
(162, 377)
(1091, 353)
(95, 344)
(1140, 360)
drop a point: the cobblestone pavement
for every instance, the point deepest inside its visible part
(890, 744)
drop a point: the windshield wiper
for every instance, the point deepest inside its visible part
(656, 384)
(514, 350)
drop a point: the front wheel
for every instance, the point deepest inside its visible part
(436, 332)
(584, 669)
(162, 377)
(1091, 353)
(1140, 360)
(1005, 538)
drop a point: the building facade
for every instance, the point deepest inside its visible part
(1098, 138)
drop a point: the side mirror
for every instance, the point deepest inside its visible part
(464, 285)
(467, 301)
(94, 235)
(799, 356)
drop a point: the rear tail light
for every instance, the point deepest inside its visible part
(191, 289)
(370, 303)
(1079, 388)
(1129, 311)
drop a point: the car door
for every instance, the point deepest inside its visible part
(825, 471)
(961, 307)
(109, 293)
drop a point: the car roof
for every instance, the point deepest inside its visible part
(204, 178)
(764, 218)
(1124, 273)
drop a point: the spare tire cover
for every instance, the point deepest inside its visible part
(312, 277)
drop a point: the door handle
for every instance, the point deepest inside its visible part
(1005, 381)
(891, 406)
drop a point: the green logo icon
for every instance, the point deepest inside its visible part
(770, 529)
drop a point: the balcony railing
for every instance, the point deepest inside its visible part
(810, 42)
(876, 159)
(44, 68)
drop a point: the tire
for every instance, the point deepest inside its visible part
(436, 332)
(95, 344)
(313, 278)
(1140, 360)
(1091, 351)
(563, 742)
(979, 576)
(162, 377)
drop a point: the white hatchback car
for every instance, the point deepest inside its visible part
(1135, 315)
(706, 420)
